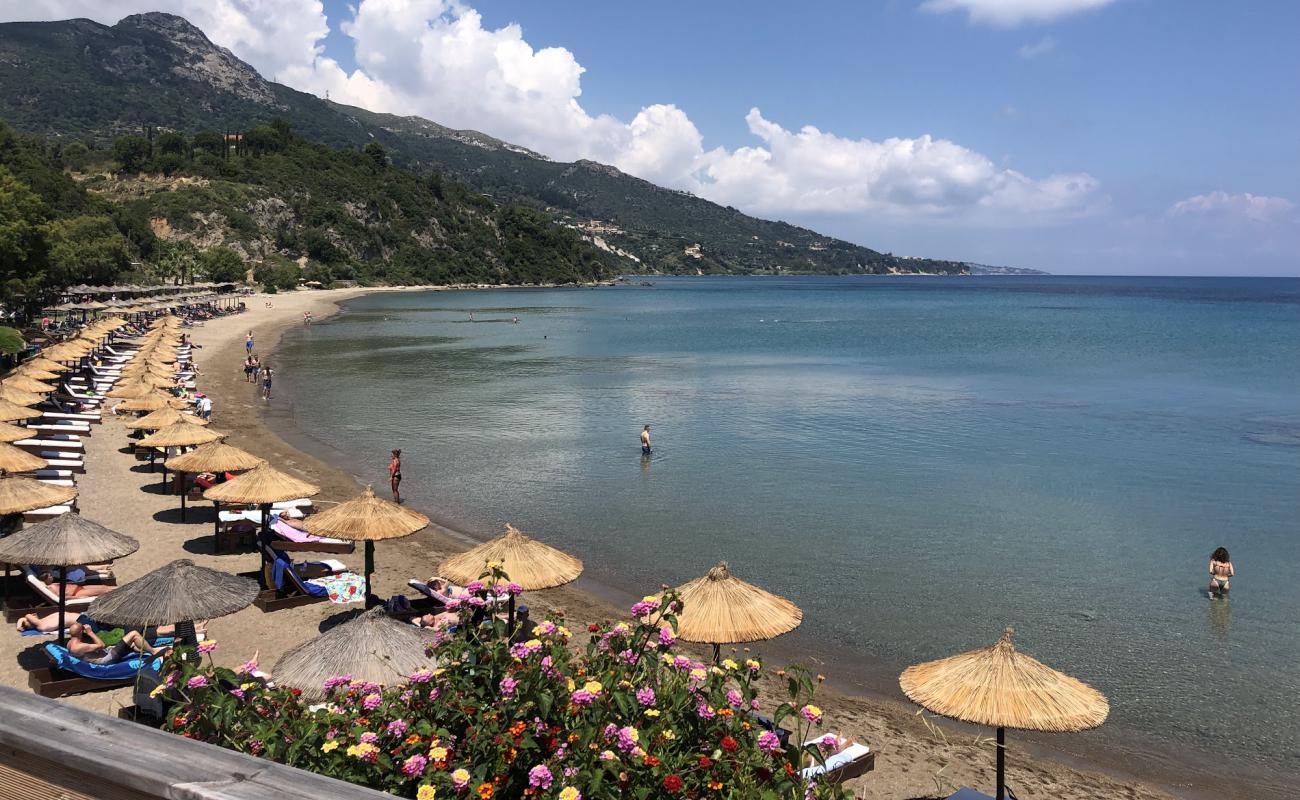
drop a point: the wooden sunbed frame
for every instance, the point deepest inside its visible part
(52, 682)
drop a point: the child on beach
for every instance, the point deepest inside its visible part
(1220, 571)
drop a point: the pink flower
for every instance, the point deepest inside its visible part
(811, 713)
(539, 777)
(507, 686)
(474, 586)
(248, 667)
(581, 697)
(705, 712)
(422, 676)
(336, 681)
(207, 646)
(666, 637)
(515, 588)
(197, 682)
(646, 696)
(396, 728)
(371, 702)
(369, 737)
(734, 698)
(768, 742)
(238, 693)
(414, 765)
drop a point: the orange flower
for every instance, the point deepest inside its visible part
(517, 729)
(486, 790)
(725, 712)
(715, 785)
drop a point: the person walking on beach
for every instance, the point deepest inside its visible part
(645, 441)
(1220, 571)
(395, 475)
(248, 343)
(267, 375)
(248, 368)
(205, 407)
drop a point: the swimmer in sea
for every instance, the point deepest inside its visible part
(1220, 571)
(645, 441)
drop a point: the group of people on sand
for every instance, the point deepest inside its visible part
(254, 371)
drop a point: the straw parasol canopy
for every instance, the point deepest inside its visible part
(66, 540)
(262, 485)
(12, 459)
(19, 494)
(719, 608)
(174, 593)
(213, 457)
(12, 412)
(370, 647)
(1001, 688)
(19, 397)
(366, 519)
(132, 389)
(180, 434)
(46, 365)
(165, 417)
(148, 402)
(528, 562)
(12, 433)
(36, 373)
(23, 383)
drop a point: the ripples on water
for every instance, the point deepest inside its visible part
(914, 462)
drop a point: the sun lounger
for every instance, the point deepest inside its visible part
(43, 600)
(851, 762)
(294, 540)
(253, 515)
(65, 474)
(58, 482)
(49, 512)
(74, 465)
(71, 675)
(68, 391)
(967, 793)
(47, 445)
(88, 417)
(287, 584)
(73, 429)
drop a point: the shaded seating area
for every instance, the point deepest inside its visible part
(288, 584)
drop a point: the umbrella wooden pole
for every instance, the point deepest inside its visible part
(216, 518)
(369, 568)
(63, 605)
(717, 654)
(1002, 764)
(183, 493)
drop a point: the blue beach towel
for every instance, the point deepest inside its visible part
(103, 672)
(283, 566)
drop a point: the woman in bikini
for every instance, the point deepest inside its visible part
(1220, 571)
(395, 475)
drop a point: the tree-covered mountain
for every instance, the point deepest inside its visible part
(79, 80)
(209, 206)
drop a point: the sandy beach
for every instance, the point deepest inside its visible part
(122, 494)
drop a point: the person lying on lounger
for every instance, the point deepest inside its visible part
(74, 589)
(443, 590)
(440, 622)
(85, 645)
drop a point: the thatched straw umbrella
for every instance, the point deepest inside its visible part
(164, 417)
(68, 540)
(366, 519)
(178, 434)
(36, 373)
(261, 486)
(131, 389)
(13, 412)
(1001, 688)
(528, 562)
(12, 433)
(370, 647)
(47, 365)
(719, 609)
(215, 457)
(19, 494)
(19, 396)
(24, 383)
(148, 402)
(13, 459)
(175, 594)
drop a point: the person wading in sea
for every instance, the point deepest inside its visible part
(645, 441)
(1220, 571)
(395, 475)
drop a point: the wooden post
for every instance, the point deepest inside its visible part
(1002, 764)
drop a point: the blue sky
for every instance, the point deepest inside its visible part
(1104, 136)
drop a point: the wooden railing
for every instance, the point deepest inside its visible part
(53, 751)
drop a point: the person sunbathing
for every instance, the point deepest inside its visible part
(71, 589)
(85, 645)
(441, 621)
(443, 590)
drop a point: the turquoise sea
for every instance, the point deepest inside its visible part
(916, 462)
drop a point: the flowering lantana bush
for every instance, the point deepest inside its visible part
(623, 716)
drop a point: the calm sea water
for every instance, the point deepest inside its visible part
(916, 462)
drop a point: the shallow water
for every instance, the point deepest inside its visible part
(916, 462)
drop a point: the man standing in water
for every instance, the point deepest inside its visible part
(395, 476)
(645, 441)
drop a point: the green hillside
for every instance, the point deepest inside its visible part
(81, 80)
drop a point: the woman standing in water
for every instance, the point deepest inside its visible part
(395, 475)
(1220, 571)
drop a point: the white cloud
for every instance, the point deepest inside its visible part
(819, 172)
(437, 59)
(1009, 13)
(1043, 46)
(1246, 206)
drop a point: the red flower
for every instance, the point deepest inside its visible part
(593, 627)
(789, 770)
(729, 744)
(673, 783)
(706, 762)
(651, 761)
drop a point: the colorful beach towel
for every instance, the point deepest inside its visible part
(347, 587)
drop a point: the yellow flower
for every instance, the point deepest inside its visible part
(438, 672)
(699, 674)
(728, 663)
(563, 631)
(330, 746)
(668, 658)
(751, 663)
(460, 776)
(159, 689)
(426, 792)
(438, 753)
(248, 686)
(593, 687)
(362, 750)
(494, 565)
(652, 712)
(572, 685)
(567, 793)
(669, 735)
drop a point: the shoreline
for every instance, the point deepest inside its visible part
(1064, 768)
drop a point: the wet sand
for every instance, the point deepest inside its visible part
(912, 760)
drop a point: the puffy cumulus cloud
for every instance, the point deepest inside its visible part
(1246, 206)
(437, 59)
(818, 172)
(275, 36)
(1009, 13)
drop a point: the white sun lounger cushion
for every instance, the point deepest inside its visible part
(44, 591)
(841, 759)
